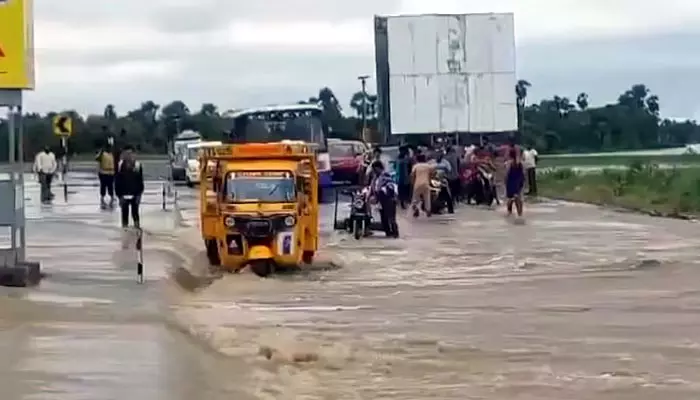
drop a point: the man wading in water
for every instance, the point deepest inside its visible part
(129, 186)
(106, 166)
(420, 179)
(515, 180)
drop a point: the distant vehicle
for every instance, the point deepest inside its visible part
(303, 122)
(192, 160)
(346, 159)
(178, 156)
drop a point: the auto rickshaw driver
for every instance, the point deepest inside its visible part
(266, 212)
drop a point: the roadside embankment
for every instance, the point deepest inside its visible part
(646, 188)
(615, 159)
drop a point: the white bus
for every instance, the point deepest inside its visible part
(192, 160)
(178, 156)
(303, 122)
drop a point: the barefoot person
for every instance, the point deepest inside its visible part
(515, 181)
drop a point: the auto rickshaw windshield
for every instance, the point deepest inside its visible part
(260, 189)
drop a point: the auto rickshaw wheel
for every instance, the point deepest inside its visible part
(212, 252)
(261, 268)
(307, 257)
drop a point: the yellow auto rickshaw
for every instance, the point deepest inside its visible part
(259, 205)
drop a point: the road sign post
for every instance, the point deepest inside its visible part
(63, 127)
(15, 270)
(16, 75)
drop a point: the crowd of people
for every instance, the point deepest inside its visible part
(468, 172)
(119, 173)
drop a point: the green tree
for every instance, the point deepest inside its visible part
(556, 124)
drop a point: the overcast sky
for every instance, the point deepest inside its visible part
(239, 53)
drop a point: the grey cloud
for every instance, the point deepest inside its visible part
(200, 16)
(237, 78)
(225, 77)
(604, 68)
(210, 15)
(290, 10)
(88, 13)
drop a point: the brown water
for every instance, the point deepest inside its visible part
(579, 303)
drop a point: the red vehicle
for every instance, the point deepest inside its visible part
(346, 159)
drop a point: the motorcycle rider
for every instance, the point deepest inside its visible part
(385, 192)
(481, 163)
(369, 158)
(444, 168)
(441, 164)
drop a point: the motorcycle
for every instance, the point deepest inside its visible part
(481, 187)
(440, 194)
(358, 224)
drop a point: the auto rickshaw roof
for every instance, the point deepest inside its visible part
(287, 150)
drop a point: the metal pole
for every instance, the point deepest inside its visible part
(139, 262)
(13, 177)
(171, 181)
(363, 81)
(20, 145)
(64, 159)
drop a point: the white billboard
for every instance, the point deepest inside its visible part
(450, 73)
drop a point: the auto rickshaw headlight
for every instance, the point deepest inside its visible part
(229, 222)
(289, 221)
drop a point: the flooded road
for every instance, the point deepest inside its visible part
(579, 303)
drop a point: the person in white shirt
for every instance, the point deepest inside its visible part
(45, 166)
(468, 151)
(530, 163)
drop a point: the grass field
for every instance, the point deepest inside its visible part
(613, 159)
(641, 187)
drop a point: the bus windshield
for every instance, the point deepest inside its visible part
(192, 153)
(281, 123)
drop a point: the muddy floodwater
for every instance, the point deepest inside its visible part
(578, 303)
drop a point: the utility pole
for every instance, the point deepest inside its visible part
(363, 81)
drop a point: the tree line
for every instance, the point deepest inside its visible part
(559, 124)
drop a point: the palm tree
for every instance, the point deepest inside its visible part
(653, 105)
(582, 101)
(331, 105)
(356, 103)
(208, 109)
(110, 115)
(521, 89)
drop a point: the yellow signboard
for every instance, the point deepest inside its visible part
(16, 44)
(62, 125)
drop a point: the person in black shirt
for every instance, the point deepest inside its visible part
(129, 186)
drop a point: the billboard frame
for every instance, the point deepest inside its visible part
(384, 75)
